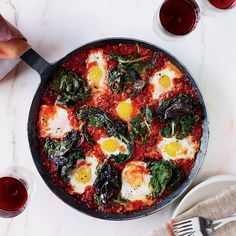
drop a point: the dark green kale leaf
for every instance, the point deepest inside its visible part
(177, 115)
(71, 87)
(165, 175)
(137, 87)
(120, 201)
(167, 132)
(139, 128)
(161, 174)
(56, 148)
(147, 114)
(141, 124)
(70, 160)
(86, 134)
(177, 175)
(179, 106)
(96, 117)
(64, 153)
(186, 124)
(107, 184)
(117, 79)
(121, 76)
(137, 62)
(128, 71)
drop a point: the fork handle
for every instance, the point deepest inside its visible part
(216, 224)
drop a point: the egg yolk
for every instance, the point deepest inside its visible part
(110, 145)
(172, 148)
(164, 81)
(95, 75)
(83, 174)
(134, 176)
(124, 110)
(122, 149)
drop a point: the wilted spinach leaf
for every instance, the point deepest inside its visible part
(186, 123)
(128, 72)
(165, 174)
(179, 106)
(107, 184)
(147, 114)
(56, 148)
(141, 124)
(139, 128)
(119, 200)
(114, 127)
(176, 177)
(178, 115)
(72, 87)
(137, 87)
(161, 174)
(117, 79)
(64, 153)
(87, 136)
(70, 159)
(137, 62)
(167, 132)
(98, 118)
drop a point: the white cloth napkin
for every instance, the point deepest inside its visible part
(217, 207)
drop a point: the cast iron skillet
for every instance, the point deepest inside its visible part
(45, 70)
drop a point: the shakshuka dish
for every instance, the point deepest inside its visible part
(119, 127)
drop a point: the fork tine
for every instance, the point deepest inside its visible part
(191, 234)
(187, 233)
(182, 222)
(184, 231)
(183, 226)
(179, 228)
(185, 221)
(190, 227)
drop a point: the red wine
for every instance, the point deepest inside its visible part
(179, 17)
(223, 4)
(13, 194)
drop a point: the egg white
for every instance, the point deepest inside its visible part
(54, 122)
(116, 152)
(187, 151)
(80, 187)
(98, 57)
(167, 71)
(139, 193)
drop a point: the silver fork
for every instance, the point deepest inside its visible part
(199, 226)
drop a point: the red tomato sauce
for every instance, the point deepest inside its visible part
(108, 102)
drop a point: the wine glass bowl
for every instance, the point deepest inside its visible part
(223, 4)
(17, 187)
(176, 18)
(218, 7)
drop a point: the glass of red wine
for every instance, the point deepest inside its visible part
(17, 186)
(176, 18)
(212, 7)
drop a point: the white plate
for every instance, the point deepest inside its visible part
(204, 190)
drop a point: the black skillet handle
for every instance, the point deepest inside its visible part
(34, 60)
